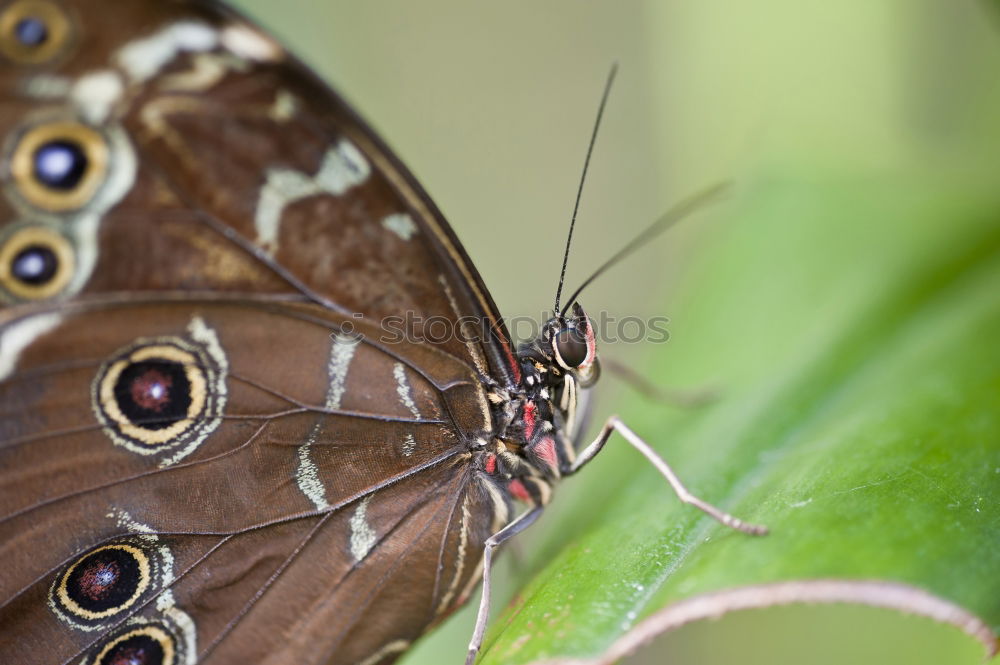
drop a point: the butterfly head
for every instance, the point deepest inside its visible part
(566, 346)
(541, 418)
(574, 345)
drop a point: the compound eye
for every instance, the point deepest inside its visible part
(574, 346)
(571, 347)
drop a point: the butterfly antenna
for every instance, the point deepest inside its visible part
(668, 219)
(583, 178)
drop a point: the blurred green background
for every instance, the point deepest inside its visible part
(491, 106)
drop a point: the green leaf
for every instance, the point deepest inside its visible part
(855, 331)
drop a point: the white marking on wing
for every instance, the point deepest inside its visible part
(409, 445)
(474, 579)
(166, 604)
(209, 339)
(124, 520)
(245, 42)
(143, 58)
(207, 69)
(86, 224)
(362, 534)
(165, 601)
(45, 86)
(307, 475)
(403, 389)
(405, 396)
(501, 516)
(501, 513)
(463, 543)
(396, 646)
(201, 332)
(401, 224)
(340, 361)
(95, 94)
(343, 167)
(284, 106)
(18, 336)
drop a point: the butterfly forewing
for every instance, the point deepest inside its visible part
(211, 446)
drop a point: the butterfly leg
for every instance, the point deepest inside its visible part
(520, 523)
(683, 398)
(614, 424)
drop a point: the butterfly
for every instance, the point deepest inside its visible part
(219, 442)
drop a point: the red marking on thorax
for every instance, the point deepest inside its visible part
(546, 451)
(529, 420)
(491, 463)
(518, 489)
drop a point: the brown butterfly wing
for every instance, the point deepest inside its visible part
(218, 138)
(309, 497)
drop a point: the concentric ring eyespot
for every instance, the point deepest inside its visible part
(162, 394)
(145, 644)
(155, 394)
(103, 583)
(34, 32)
(59, 166)
(36, 262)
